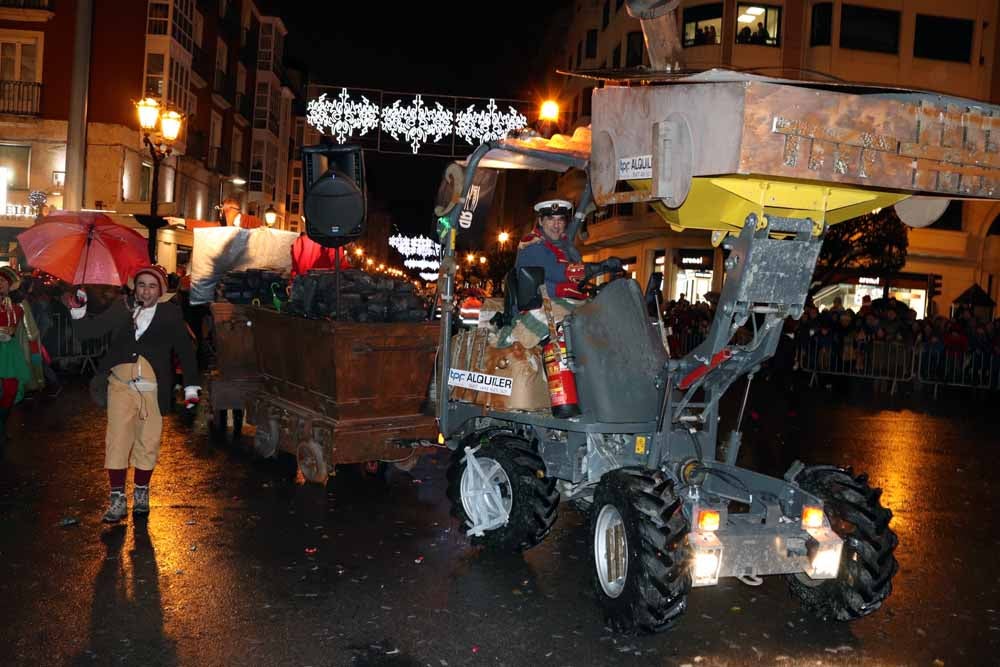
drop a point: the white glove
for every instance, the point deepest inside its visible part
(191, 398)
(79, 311)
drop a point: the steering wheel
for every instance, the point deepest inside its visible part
(590, 289)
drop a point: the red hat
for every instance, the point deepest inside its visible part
(154, 270)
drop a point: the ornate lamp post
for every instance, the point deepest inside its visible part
(160, 143)
(270, 215)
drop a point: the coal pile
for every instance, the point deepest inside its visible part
(364, 297)
(245, 286)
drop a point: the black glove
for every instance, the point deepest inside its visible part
(610, 265)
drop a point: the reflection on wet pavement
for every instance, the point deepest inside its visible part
(240, 564)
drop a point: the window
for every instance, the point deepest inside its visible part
(758, 24)
(257, 167)
(145, 181)
(592, 43)
(941, 38)
(586, 99)
(198, 26)
(266, 45)
(703, 24)
(634, 49)
(868, 29)
(19, 59)
(261, 102)
(606, 15)
(179, 85)
(616, 57)
(221, 56)
(15, 161)
(821, 26)
(154, 75)
(183, 24)
(158, 21)
(215, 141)
(237, 149)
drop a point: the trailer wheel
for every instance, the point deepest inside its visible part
(518, 485)
(867, 563)
(311, 462)
(639, 532)
(265, 441)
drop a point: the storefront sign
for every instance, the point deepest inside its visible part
(635, 167)
(694, 259)
(491, 384)
(865, 280)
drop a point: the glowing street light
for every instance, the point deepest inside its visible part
(549, 111)
(170, 122)
(503, 237)
(270, 215)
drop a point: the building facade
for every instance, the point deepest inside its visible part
(218, 62)
(926, 44)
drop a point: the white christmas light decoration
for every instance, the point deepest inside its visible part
(415, 246)
(480, 126)
(426, 264)
(342, 115)
(426, 275)
(416, 122)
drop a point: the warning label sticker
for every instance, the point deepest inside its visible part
(636, 167)
(491, 384)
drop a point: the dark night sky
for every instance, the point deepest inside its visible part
(446, 47)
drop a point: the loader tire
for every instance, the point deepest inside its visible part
(520, 480)
(867, 563)
(644, 589)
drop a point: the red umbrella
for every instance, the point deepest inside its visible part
(84, 248)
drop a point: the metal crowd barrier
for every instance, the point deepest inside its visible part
(891, 363)
(67, 350)
(974, 369)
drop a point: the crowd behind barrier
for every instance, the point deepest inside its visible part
(883, 342)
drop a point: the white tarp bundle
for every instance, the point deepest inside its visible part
(219, 250)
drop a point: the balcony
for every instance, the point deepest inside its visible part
(220, 159)
(224, 85)
(267, 121)
(202, 63)
(243, 106)
(23, 98)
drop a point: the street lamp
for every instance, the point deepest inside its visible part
(503, 237)
(151, 115)
(270, 215)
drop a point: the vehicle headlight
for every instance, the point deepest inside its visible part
(706, 558)
(825, 548)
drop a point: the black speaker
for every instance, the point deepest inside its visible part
(336, 203)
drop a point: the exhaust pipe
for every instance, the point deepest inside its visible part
(659, 29)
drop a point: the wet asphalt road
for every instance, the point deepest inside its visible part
(239, 564)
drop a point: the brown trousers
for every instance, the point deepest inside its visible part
(134, 421)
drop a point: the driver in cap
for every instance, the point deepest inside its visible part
(548, 247)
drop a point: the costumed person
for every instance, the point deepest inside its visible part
(30, 339)
(233, 216)
(547, 246)
(144, 328)
(15, 372)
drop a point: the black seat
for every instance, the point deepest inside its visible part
(520, 293)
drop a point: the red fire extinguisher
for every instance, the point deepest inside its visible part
(562, 383)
